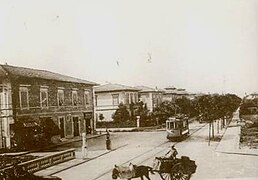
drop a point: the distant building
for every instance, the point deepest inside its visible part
(171, 93)
(251, 96)
(251, 102)
(152, 97)
(30, 97)
(109, 96)
(182, 93)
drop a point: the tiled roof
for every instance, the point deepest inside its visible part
(3, 73)
(42, 74)
(169, 88)
(145, 89)
(170, 91)
(114, 87)
(182, 92)
(148, 89)
(176, 91)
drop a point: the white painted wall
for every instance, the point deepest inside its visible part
(105, 104)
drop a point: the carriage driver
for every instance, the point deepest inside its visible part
(171, 154)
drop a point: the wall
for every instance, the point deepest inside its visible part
(68, 111)
(105, 104)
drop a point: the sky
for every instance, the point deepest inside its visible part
(200, 45)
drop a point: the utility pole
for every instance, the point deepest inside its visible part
(84, 146)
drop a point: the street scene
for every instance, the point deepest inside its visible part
(155, 90)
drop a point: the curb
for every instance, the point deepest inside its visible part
(90, 159)
(234, 151)
(238, 153)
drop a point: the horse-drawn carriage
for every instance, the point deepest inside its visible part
(174, 169)
(168, 169)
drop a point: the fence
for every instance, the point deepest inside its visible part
(46, 161)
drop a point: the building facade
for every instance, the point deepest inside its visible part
(31, 97)
(151, 97)
(109, 96)
(171, 93)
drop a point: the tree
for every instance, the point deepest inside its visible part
(213, 107)
(249, 106)
(186, 106)
(101, 117)
(143, 112)
(121, 114)
(165, 110)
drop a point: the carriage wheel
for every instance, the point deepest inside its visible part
(166, 176)
(179, 173)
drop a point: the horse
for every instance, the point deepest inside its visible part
(133, 171)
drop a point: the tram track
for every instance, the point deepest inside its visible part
(175, 143)
(146, 152)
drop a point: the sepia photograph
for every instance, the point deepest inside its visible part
(129, 89)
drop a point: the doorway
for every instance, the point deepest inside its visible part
(87, 121)
(62, 127)
(76, 126)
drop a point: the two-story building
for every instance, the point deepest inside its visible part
(171, 93)
(109, 96)
(152, 97)
(30, 97)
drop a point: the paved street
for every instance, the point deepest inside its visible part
(142, 147)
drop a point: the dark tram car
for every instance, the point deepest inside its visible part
(177, 128)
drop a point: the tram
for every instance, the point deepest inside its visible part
(177, 128)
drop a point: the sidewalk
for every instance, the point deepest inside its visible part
(72, 163)
(91, 155)
(230, 141)
(75, 139)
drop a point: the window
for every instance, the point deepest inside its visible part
(43, 97)
(62, 126)
(131, 98)
(60, 97)
(74, 98)
(115, 98)
(24, 97)
(127, 98)
(3, 97)
(87, 97)
(136, 98)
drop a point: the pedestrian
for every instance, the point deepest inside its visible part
(108, 141)
(108, 134)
